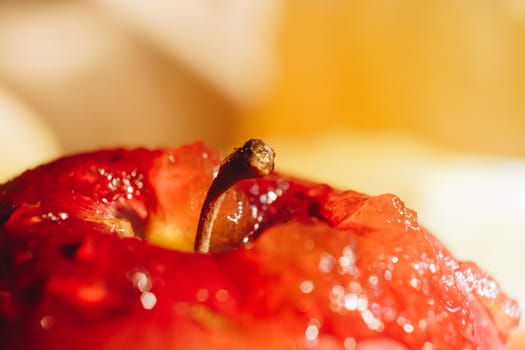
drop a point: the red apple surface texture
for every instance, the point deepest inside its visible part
(96, 252)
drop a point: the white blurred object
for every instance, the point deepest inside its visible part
(25, 140)
(52, 42)
(231, 43)
(477, 206)
(99, 86)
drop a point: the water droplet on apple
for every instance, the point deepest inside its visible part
(337, 298)
(371, 321)
(451, 306)
(373, 281)
(222, 295)
(512, 309)
(408, 328)
(415, 283)
(347, 261)
(311, 333)
(237, 215)
(306, 286)
(326, 262)
(141, 281)
(389, 313)
(47, 322)
(422, 324)
(362, 303)
(254, 189)
(350, 343)
(202, 295)
(428, 346)
(55, 217)
(487, 288)
(350, 301)
(148, 300)
(312, 330)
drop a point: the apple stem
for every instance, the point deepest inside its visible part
(254, 159)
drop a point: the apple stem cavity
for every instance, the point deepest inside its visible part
(254, 159)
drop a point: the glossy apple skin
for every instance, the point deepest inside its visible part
(320, 268)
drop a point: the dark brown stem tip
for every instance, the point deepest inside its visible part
(260, 156)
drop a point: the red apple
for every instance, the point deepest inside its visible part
(97, 252)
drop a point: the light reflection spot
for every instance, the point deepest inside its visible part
(512, 308)
(141, 281)
(428, 346)
(351, 301)
(362, 303)
(487, 288)
(148, 300)
(222, 295)
(254, 211)
(347, 260)
(373, 280)
(367, 316)
(312, 332)
(306, 286)
(414, 283)
(235, 217)
(326, 263)
(408, 328)
(350, 343)
(338, 290)
(202, 295)
(422, 324)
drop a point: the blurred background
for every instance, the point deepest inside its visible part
(422, 99)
